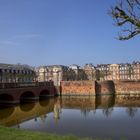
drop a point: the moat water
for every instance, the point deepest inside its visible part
(102, 117)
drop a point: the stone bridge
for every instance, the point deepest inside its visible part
(16, 93)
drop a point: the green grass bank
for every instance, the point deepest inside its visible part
(18, 134)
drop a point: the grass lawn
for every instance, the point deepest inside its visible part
(18, 134)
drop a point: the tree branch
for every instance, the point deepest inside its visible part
(130, 35)
(126, 13)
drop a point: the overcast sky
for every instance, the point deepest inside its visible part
(45, 32)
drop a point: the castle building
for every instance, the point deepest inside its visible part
(16, 73)
(55, 73)
(91, 72)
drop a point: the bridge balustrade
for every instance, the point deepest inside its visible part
(21, 85)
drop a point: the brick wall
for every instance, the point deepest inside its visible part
(127, 87)
(105, 87)
(87, 87)
(77, 88)
(100, 87)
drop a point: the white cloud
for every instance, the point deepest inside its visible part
(8, 42)
(19, 39)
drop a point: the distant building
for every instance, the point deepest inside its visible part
(114, 72)
(91, 72)
(75, 68)
(55, 73)
(104, 72)
(135, 71)
(125, 71)
(42, 74)
(80, 73)
(60, 73)
(122, 71)
(10, 73)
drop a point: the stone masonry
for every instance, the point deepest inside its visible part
(100, 88)
(77, 88)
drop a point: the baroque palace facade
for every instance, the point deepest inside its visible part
(122, 71)
(58, 73)
(17, 73)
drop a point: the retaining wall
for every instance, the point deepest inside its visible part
(104, 87)
(131, 88)
(77, 88)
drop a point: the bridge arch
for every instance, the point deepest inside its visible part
(6, 113)
(44, 94)
(6, 98)
(27, 107)
(27, 96)
(44, 103)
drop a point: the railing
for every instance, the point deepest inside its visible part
(21, 85)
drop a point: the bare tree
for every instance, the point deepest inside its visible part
(126, 14)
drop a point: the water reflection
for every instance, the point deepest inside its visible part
(77, 115)
(131, 111)
(131, 103)
(10, 116)
(6, 112)
(105, 103)
(57, 110)
(15, 115)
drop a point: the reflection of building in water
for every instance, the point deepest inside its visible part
(89, 104)
(85, 104)
(43, 117)
(127, 101)
(79, 102)
(35, 119)
(57, 110)
(105, 101)
(16, 115)
(108, 111)
(131, 104)
(131, 111)
(85, 112)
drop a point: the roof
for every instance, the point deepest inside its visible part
(15, 66)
